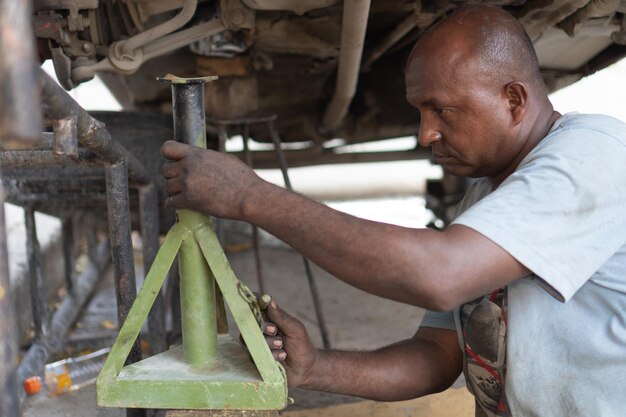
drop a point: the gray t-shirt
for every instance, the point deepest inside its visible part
(562, 214)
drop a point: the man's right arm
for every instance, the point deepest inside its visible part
(437, 270)
(427, 363)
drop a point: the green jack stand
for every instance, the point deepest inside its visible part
(209, 371)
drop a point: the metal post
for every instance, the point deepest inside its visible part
(35, 273)
(92, 134)
(65, 136)
(222, 137)
(197, 297)
(39, 352)
(118, 207)
(149, 218)
(9, 406)
(280, 156)
(197, 283)
(188, 110)
(121, 244)
(20, 119)
(68, 252)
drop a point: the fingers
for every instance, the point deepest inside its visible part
(273, 337)
(176, 201)
(279, 355)
(287, 324)
(171, 169)
(174, 150)
(270, 329)
(174, 185)
(277, 347)
(274, 342)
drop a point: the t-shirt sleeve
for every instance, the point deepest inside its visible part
(438, 320)
(561, 214)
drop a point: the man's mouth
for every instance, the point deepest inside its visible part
(440, 157)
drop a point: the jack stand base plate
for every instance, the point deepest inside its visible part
(166, 380)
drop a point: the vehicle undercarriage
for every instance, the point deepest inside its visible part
(321, 74)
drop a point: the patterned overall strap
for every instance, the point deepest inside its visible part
(484, 326)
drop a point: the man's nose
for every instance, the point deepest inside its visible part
(428, 134)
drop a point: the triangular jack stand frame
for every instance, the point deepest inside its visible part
(208, 371)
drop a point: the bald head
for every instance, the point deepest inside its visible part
(487, 41)
(475, 81)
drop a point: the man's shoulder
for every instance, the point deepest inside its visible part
(587, 118)
(591, 123)
(576, 136)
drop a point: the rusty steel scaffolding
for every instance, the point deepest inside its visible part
(77, 168)
(18, 93)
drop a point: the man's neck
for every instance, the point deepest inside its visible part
(539, 130)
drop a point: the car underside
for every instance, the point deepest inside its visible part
(326, 69)
(318, 75)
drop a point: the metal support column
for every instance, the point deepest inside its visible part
(35, 273)
(9, 406)
(149, 218)
(197, 284)
(191, 376)
(68, 252)
(197, 296)
(118, 208)
(121, 244)
(38, 354)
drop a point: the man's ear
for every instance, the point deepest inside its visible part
(517, 96)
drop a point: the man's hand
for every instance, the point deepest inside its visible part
(428, 362)
(290, 344)
(206, 181)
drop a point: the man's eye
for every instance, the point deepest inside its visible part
(441, 112)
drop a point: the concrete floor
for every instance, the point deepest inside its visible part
(356, 320)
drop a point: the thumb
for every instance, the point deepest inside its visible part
(174, 150)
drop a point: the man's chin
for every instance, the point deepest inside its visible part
(458, 170)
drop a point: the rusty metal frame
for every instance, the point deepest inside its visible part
(18, 93)
(53, 176)
(9, 406)
(37, 355)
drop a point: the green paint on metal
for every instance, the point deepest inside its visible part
(174, 379)
(197, 295)
(166, 380)
(197, 298)
(141, 307)
(225, 277)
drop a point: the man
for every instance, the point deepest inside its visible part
(532, 272)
